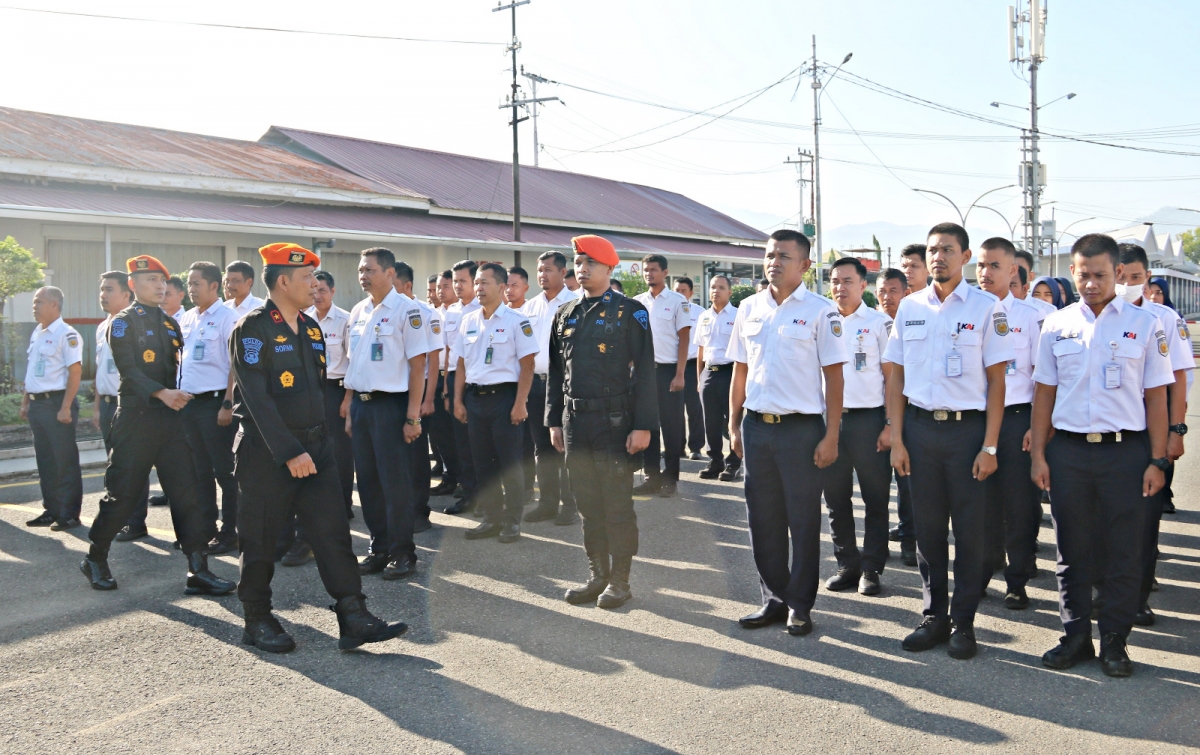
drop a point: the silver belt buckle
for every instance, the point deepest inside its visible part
(1094, 437)
(364, 397)
(941, 415)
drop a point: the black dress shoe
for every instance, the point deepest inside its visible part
(1144, 616)
(372, 563)
(669, 489)
(696, 456)
(1168, 506)
(299, 554)
(962, 643)
(772, 613)
(1154, 584)
(477, 511)
(158, 500)
(541, 513)
(45, 519)
(460, 506)
(931, 632)
(98, 574)
(222, 544)
(265, 633)
(1114, 659)
(1016, 599)
(421, 524)
(128, 533)
(201, 581)
(484, 529)
(799, 624)
(894, 534)
(510, 533)
(845, 579)
(730, 474)
(445, 487)
(399, 569)
(567, 515)
(66, 524)
(908, 552)
(357, 625)
(868, 584)
(711, 473)
(1071, 649)
(649, 487)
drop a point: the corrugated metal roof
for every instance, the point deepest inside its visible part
(62, 139)
(317, 218)
(479, 185)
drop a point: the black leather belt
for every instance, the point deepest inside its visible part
(779, 419)
(209, 395)
(107, 399)
(487, 390)
(619, 403)
(1018, 408)
(543, 377)
(1116, 437)
(335, 381)
(442, 373)
(373, 395)
(947, 415)
(850, 410)
(47, 396)
(719, 367)
(311, 435)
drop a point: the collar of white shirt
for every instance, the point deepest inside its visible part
(863, 310)
(54, 328)
(215, 307)
(391, 301)
(962, 291)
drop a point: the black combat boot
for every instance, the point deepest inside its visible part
(96, 570)
(587, 593)
(617, 591)
(264, 632)
(358, 625)
(201, 581)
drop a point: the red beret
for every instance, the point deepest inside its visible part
(289, 254)
(145, 264)
(599, 249)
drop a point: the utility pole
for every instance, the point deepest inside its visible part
(804, 223)
(1032, 173)
(820, 229)
(514, 102)
(534, 80)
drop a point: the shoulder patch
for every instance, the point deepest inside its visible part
(888, 325)
(118, 328)
(1184, 333)
(414, 318)
(251, 346)
(835, 327)
(643, 318)
(1163, 348)
(526, 328)
(1000, 323)
(435, 325)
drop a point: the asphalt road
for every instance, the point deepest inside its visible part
(496, 662)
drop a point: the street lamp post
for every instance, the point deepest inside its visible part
(961, 219)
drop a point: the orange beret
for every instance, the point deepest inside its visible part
(599, 249)
(145, 264)
(289, 254)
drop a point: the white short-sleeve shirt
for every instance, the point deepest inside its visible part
(540, 310)
(204, 364)
(108, 380)
(335, 330)
(1075, 350)
(693, 349)
(784, 346)
(866, 333)
(1024, 324)
(450, 326)
(1045, 308)
(491, 348)
(51, 351)
(712, 331)
(1179, 340)
(927, 332)
(669, 313)
(249, 304)
(382, 340)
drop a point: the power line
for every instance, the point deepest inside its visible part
(249, 28)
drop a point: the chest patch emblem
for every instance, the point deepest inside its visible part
(603, 348)
(148, 356)
(280, 339)
(287, 379)
(835, 327)
(1000, 323)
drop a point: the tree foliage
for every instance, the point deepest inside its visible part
(20, 271)
(633, 283)
(1191, 245)
(740, 292)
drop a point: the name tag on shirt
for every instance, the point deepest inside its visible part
(860, 361)
(198, 352)
(954, 364)
(39, 368)
(1112, 375)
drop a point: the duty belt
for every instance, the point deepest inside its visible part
(779, 419)
(947, 415)
(1099, 437)
(46, 395)
(607, 404)
(311, 435)
(487, 390)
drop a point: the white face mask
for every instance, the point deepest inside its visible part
(1131, 293)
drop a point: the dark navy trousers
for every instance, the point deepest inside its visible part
(497, 449)
(669, 432)
(857, 452)
(57, 455)
(714, 396)
(694, 407)
(383, 466)
(1014, 511)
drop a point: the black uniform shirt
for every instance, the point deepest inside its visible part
(601, 347)
(145, 344)
(279, 375)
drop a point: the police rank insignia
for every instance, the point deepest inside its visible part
(835, 327)
(1000, 323)
(251, 347)
(148, 356)
(314, 334)
(280, 339)
(287, 379)
(276, 317)
(414, 318)
(1162, 342)
(526, 328)
(603, 348)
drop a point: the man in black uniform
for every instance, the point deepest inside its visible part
(147, 431)
(602, 389)
(286, 461)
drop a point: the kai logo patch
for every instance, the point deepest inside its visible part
(287, 379)
(148, 356)
(414, 319)
(436, 326)
(72, 341)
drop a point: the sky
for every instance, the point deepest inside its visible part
(1131, 66)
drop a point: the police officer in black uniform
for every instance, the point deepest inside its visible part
(147, 431)
(602, 390)
(286, 460)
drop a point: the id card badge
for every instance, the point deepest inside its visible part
(860, 361)
(1112, 375)
(487, 356)
(39, 368)
(954, 364)
(112, 366)
(1011, 367)
(376, 352)
(198, 352)
(354, 341)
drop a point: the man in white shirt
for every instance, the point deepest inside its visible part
(1014, 503)
(713, 328)
(671, 327)
(890, 288)
(913, 265)
(949, 350)
(496, 347)
(784, 341)
(515, 291)
(239, 280)
(1019, 285)
(463, 282)
(432, 319)
(1102, 375)
(206, 373)
(441, 423)
(385, 381)
(691, 392)
(865, 439)
(551, 472)
(52, 378)
(571, 283)
(172, 303)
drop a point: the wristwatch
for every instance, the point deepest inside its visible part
(415, 422)
(226, 404)
(1162, 463)
(1180, 429)
(989, 450)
